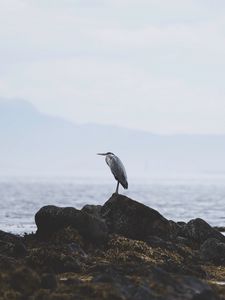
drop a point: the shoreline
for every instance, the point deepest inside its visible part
(119, 250)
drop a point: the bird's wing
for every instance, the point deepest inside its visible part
(118, 170)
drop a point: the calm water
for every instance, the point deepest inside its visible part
(175, 199)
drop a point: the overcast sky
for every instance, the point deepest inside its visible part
(157, 65)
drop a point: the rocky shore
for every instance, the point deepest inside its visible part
(121, 250)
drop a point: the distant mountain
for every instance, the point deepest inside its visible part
(32, 143)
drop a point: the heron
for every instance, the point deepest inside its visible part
(117, 168)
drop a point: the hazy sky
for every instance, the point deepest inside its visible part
(157, 65)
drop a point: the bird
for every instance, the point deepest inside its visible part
(117, 168)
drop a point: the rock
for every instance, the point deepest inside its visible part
(67, 236)
(134, 220)
(183, 240)
(16, 249)
(8, 263)
(9, 237)
(175, 229)
(155, 241)
(145, 256)
(48, 281)
(94, 210)
(144, 292)
(181, 223)
(25, 281)
(50, 219)
(219, 228)
(19, 250)
(213, 250)
(12, 245)
(154, 284)
(199, 231)
(54, 259)
(182, 287)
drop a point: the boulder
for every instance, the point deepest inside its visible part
(11, 245)
(156, 284)
(213, 250)
(181, 287)
(199, 231)
(49, 219)
(94, 210)
(134, 220)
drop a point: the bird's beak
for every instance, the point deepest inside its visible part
(101, 153)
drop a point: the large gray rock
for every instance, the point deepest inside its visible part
(134, 220)
(199, 231)
(213, 250)
(155, 284)
(50, 219)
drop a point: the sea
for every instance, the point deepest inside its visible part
(178, 199)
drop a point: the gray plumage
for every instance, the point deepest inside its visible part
(117, 168)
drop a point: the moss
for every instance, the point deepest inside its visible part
(66, 236)
(53, 259)
(220, 290)
(117, 270)
(214, 272)
(11, 295)
(25, 281)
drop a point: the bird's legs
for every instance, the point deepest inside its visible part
(117, 187)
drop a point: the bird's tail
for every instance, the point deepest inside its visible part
(125, 185)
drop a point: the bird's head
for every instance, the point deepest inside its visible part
(105, 154)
